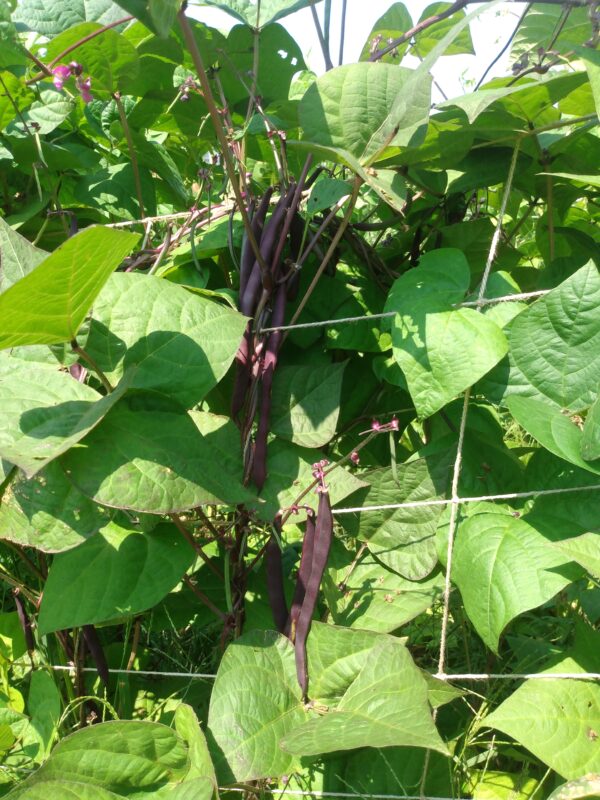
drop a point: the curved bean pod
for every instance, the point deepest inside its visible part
(303, 575)
(97, 653)
(321, 548)
(274, 570)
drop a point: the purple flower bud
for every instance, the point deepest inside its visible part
(354, 457)
(76, 68)
(375, 425)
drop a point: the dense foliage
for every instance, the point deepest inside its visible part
(175, 474)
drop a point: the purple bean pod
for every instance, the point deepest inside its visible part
(274, 570)
(258, 221)
(24, 620)
(243, 372)
(303, 575)
(321, 548)
(267, 368)
(92, 641)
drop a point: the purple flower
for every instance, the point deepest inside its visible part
(61, 73)
(84, 87)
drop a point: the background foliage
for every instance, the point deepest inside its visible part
(161, 455)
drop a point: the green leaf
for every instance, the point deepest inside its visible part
(389, 185)
(12, 640)
(255, 701)
(163, 13)
(587, 180)
(348, 108)
(118, 572)
(556, 341)
(188, 728)
(430, 337)
(590, 441)
(44, 707)
(19, 256)
(366, 595)
(45, 412)
(326, 193)
(111, 191)
(385, 705)
(504, 567)
(557, 720)
(552, 429)
(306, 403)
(122, 758)
(47, 512)
(391, 25)
(50, 19)
(403, 538)
(47, 113)
(48, 305)
(433, 35)
(181, 344)
(270, 10)
(585, 550)
(150, 456)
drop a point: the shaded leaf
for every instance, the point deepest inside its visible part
(180, 343)
(118, 572)
(19, 256)
(47, 512)
(150, 456)
(45, 412)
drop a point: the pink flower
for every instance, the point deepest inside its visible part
(354, 457)
(84, 87)
(61, 73)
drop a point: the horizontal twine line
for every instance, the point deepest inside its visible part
(445, 676)
(386, 314)
(464, 500)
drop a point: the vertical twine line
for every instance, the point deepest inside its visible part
(459, 448)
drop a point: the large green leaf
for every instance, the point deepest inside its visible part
(552, 429)
(119, 571)
(45, 114)
(557, 720)
(48, 305)
(50, 19)
(306, 402)
(111, 191)
(45, 412)
(248, 11)
(348, 108)
(365, 594)
(181, 344)
(504, 567)
(47, 512)
(150, 456)
(19, 256)
(255, 701)
(122, 759)
(402, 538)
(201, 766)
(385, 705)
(556, 341)
(430, 337)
